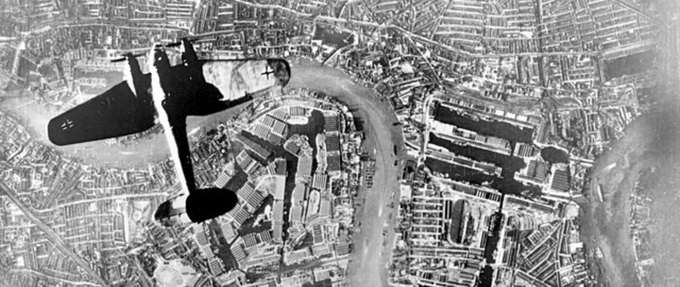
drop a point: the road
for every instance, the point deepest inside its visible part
(140, 269)
(368, 260)
(370, 253)
(52, 236)
(101, 199)
(333, 20)
(139, 155)
(632, 8)
(51, 277)
(58, 192)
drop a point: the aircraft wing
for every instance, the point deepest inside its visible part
(116, 112)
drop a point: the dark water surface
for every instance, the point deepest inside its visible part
(488, 128)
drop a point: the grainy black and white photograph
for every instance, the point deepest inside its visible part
(339, 143)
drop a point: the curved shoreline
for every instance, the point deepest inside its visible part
(135, 155)
(372, 250)
(606, 224)
(649, 142)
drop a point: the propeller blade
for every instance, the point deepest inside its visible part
(179, 43)
(175, 44)
(125, 57)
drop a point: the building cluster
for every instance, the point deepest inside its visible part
(490, 154)
(443, 230)
(292, 222)
(529, 50)
(541, 244)
(446, 228)
(542, 74)
(95, 211)
(104, 212)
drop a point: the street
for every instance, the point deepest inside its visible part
(52, 235)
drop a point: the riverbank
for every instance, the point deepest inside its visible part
(664, 152)
(372, 245)
(651, 141)
(605, 225)
(34, 116)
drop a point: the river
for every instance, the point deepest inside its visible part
(371, 249)
(154, 148)
(652, 140)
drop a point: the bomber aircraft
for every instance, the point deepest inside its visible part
(168, 95)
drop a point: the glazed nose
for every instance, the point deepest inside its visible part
(208, 203)
(163, 211)
(281, 70)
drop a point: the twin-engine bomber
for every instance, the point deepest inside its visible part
(168, 95)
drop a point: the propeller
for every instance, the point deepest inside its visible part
(175, 44)
(179, 43)
(125, 57)
(169, 45)
(190, 39)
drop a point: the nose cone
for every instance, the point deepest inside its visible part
(172, 212)
(199, 206)
(281, 70)
(56, 130)
(206, 204)
(163, 211)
